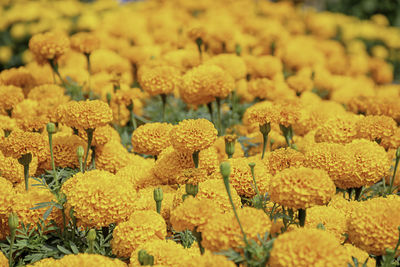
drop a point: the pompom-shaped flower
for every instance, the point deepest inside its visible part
(166, 253)
(99, 198)
(20, 77)
(193, 135)
(112, 157)
(46, 91)
(142, 226)
(10, 96)
(359, 254)
(159, 80)
(375, 127)
(151, 138)
(263, 113)
(101, 136)
(19, 143)
(307, 247)
(139, 172)
(82, 260)
(283, 158)
(231, 63)
(3, 260)
(49, 45)
(88, 114)
(6, 196)
(222, 232)
(334, 220)
(301, 188)
(373, 224)
(193, 214)
(13, 171)
(85, 42)
(340, 129)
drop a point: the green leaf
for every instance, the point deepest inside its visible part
(47, 213)
(64, 250)
(74, 248)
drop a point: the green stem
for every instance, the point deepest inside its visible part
(394, 175)
(53, 165)
(357, 192)
(158, 206)
(93, 163)
(195, 157)
(210, 110)
(54, 66)
(219, 123)
(89, 68)
(199, 239)
(302, 217)
(265, 129)
(89, 133)
(133, 117)
(64, 221)
(164, 104)
(25, 160)
(81, 164)
(265, 142)
(26, 176)
(252, 165)
(10, 254)
(199, 42)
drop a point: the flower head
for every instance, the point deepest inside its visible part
(375, 127)
(193, 135)
(301, 188)
(85, 114)
(359, 254)
(142, 226)
(85, 42)
(283, 158)
(80, 259)
(10, 96)
(101, 136)
(13, 171)
(99, 198)
(339, 129)
(298, 248)
(151, 138)
(139, 172)
(231, 63)
(159, 80)
(49, 45)
(112, 157)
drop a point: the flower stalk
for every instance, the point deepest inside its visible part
(302, 217)
(80, 152)
(13, 225)
(158, 198)
(90, 138)
(164, 105)
(265, 129)
(51, 129)
(91, 237)
(395, 170)
(25, 160)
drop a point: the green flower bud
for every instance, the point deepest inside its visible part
(25, 159)
(108, 96)
(145, 258)
(398, 152)
(91, 236)
(51, 128)
(225, 169)
(13, 221)
(230, 145)
(265, 128)
(80, 152)
(158, 194)
(252, 164)
(192, 189)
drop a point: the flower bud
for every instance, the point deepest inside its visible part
(225, 169)
(51, 128)
(80, 152)
(265, 128)
(158, 194)
(145, 258)
(13, 221)
(398, 153)
(108, 96)
(192, 189)
(230, 145)
(91, 236)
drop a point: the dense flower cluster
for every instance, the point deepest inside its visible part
(151, 138)
(84, 260)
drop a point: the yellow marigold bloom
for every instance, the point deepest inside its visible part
(64, 151)
(10, 96)
(159, 80)
(359, 254)
(193, 135)
(19, 77)
(101, 136)
(304, 247)
(242, 180)
(171, 162)
(285, 112)
(28, 117)
(223, 232)
(7, 123)
(191, 176)
(40, 92)
(19, 143)
(141, 227)
(381, 71)
(112, 157)
(151, 138)
(3, 259)
(340, 129)
(375, 127)
(25, 200)
(263, 66)
(81, 259)
(231, 63)
(99, 198)
(370, 163)
(193, 213)
(334, 220)
(49, 45)
(85, 42)
(301, 82)
(373, 225)
(145, 200)
(301, 188)
(13, 171)
(166, 253)
(139, 172)
(283, 158)
(88, 114)
(6, 197)
(337, 161)
(211, 260)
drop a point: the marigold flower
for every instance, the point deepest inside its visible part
(301, 188)
(390, 142)
(40, 92)
(88, 114)
(85, 42)
(283, 158)
(222, 232)
(6, 198)
(375, 127)
(159, 80)
(298, 248)
(263, 66)
(151, 138)
(142, 226)
(190, 135)
(191, 176)
(112, 157)
(373, 225)
(340, 129)
(261, 87)
(81, 259)
(3, 260)
(359, 254)
(13, 171)
(99, 198)
(139, 172)
(263, 113)
(7, 123)
(10, 96)
(48, 46)
(211, 260)
(231, 63)
(19, 143)
(19, 77)
(165, 253)
(101, 136)
(193, 214)
(300, 82)
(333, 220)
